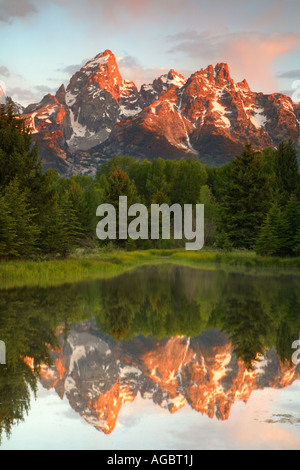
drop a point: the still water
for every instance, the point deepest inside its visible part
(159, 358)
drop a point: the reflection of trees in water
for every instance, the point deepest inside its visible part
(256, 312)
(28, 322)
(244, 320)
(153, 302)
(15, 386)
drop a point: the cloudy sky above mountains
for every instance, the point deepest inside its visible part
(45, 41)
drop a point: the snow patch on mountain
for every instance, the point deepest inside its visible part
(259, 119)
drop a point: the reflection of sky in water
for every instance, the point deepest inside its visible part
(267, 421)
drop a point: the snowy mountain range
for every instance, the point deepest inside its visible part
(207, 116)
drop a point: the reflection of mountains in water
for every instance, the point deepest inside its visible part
(98, 375)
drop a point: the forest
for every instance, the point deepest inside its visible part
(251, 203)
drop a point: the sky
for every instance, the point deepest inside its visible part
(43, 42)
(269, 421)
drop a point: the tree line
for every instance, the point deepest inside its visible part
(253, 202)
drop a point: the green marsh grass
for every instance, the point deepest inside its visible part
(85, 266)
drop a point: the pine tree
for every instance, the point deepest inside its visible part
(52, 228)
(18, 157)
(292, 223)
(286, 167)
(69, 227)
(267, 243)
(8, 234)
(22, 221)
(157, 187)
(296, 247)
(83, 214)
(211, 213)
(22, 184)
(245, 198)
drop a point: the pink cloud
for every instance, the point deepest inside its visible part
(253, 56)
(249, 55)
(132, 69)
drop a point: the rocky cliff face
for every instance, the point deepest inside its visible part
(207, 116)
(98, 375)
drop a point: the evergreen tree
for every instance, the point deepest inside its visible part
(211, 214)
(8, 234)
(53, 230)
(157, 186)
(81, 208)
(22, 224)
(270, 238)
(286, 167)
(292, 224)
(69, 226)
(296, 247)
(18, 157)
(245, 199)
(279, 232)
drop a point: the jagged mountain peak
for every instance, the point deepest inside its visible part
(102, 73)
(214, 75)
(209, 116)
(61, 94)
(104, 57)
(173, 78)
(102, 60)
(223, 68)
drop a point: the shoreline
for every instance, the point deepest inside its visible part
(100, 264)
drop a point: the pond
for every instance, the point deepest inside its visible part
(163, 357)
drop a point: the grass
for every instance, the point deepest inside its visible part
(99, 264)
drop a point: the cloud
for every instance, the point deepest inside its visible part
(10, 9)
(22, 95)
(293, 74)
(70, 69)
(45, 90)
(125, 15)
(4, 71)
(132, 69)
(115, 9)
(73, 68)
(249, 55)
